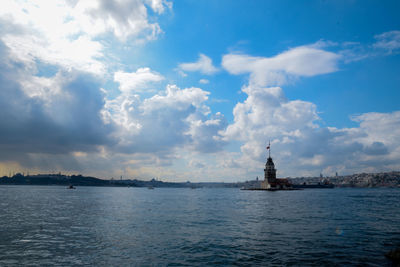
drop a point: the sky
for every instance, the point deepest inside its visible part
(195, 90)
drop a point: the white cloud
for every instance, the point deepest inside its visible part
(353, 51)
(382, 127)
(68, 33)
(54, 115)
(205, 132)
(300, 61)
(203, 65)
(204, 81)
(124, 18)
(164, 122)
(159, 5)
(389, 41)
(138, 81)
(267, 114)
(81, 54)
(300, 146)
(385, 44)
(63, 122)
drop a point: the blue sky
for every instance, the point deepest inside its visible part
(193, 90)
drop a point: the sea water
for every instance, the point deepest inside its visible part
(110, 226)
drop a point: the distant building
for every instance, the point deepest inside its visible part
(270, 180)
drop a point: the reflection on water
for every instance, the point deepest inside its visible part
(49, 225)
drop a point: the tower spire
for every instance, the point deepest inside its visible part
(269, 148)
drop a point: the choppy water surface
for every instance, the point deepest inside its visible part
(49, 225)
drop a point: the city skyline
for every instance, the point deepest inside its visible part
(194, 90)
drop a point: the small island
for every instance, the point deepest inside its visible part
(271, 183)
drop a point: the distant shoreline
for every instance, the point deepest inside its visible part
(383, 179)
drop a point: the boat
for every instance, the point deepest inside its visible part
(71, 187)
(150, 187)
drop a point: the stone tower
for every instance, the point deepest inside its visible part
(270, 172)
(270, 180)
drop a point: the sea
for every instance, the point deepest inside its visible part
(121, 226)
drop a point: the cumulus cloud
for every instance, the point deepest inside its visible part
(299, 61)
(137, 81)
(165, 121)
(203, 65)
(380, 127)
(159, 5)
(61, 117)
(68, 33)
(303, 146)
(267, 114)
(54, 115)
(64, 122)
(54, 107)
(300, 146)
(370, 147)
(123, 18)
(205, 133)
(267, 110)
(80, 54)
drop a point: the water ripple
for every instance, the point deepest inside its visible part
(180, 227)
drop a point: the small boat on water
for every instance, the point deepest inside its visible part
(71, 187)
(150, 187)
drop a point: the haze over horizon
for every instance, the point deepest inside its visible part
(194, 90)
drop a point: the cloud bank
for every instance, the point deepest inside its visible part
(59, 114)
(293, 126)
